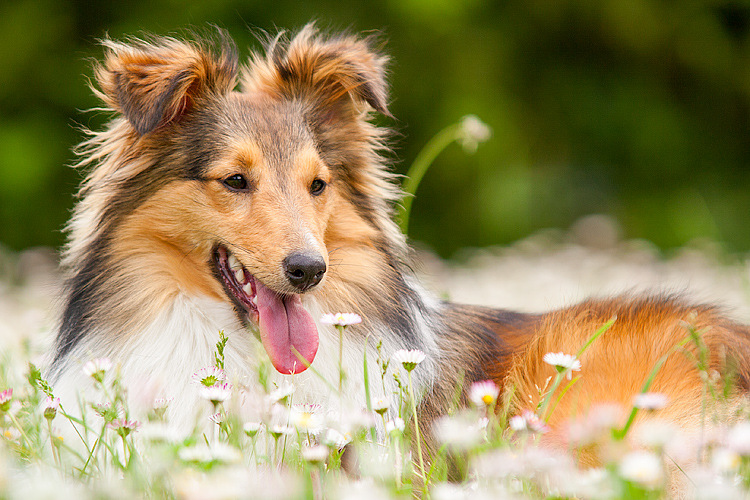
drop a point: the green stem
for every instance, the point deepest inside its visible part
(52, 443)
(416, 429)
(341, 357)
(368, 401)
(17, 425)
(417, 170)
(624, 431)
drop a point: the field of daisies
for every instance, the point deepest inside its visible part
(293, 451)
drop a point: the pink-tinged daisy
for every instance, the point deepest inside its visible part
(408, 358)
(5, 398)
(563, 362)
(341, 319)
(50, 407)
(123, 427)
(216, 393)
(209, 375)
(97, 367)
(650, 400)
(528, 421)
(162, 403)
(218, 418)
(484, 393)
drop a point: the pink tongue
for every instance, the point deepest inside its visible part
(284, 324)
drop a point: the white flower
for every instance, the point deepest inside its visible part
(216, 393)
(335, 440)
(725, 461)
(472, 131)
(642, 467)
(123, 427)
(307, 418)
(209, 375)
(650, 400)
(528, 421)
(280, 430)
(161, 432)
(96, 368)
(655, 433)
(483, 393)
(381, 405)
(738, 439)
(341, 319)
(218, 418)
(218, 452)
(458, 432)
(281, 393)
(161, 403)
(395, 425)
(563, 362)
(408, 358)
(251, 428)
(315, 454)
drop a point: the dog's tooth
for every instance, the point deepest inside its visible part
(239, 275)
(254, 300)
(234, 263)
(248, 289)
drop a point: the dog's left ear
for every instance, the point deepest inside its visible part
(336, 75)
(155, 83)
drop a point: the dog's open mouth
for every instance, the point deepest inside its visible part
(285, 326)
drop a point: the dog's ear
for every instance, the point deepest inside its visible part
(154, 83)
(336, 75)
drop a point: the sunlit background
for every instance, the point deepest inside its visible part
(636, 109)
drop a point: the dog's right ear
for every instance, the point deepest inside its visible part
(154, 83)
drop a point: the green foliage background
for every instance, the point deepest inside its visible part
(639, 109)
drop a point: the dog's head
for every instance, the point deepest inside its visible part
(244, 195)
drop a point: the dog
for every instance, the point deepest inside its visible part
(253, 199)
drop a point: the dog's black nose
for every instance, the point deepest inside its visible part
(304, 270)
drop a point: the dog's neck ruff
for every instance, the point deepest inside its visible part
(158, 359)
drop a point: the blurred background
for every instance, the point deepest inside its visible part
(636, 109)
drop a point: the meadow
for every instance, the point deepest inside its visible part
(297, 451)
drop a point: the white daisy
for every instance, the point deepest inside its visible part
(216, 393)
(650, 400)
(96, 368)
(642, 467)
(315, 454)
(209, 375)
(408, 358)
(483, 393)
(341, 319)
(563, 362)
(528, 421)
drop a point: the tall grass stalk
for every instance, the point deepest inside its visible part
(470, 131)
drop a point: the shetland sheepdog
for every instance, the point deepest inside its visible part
(253, 198)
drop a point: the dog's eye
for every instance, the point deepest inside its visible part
(317, 187)
(236, 182)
